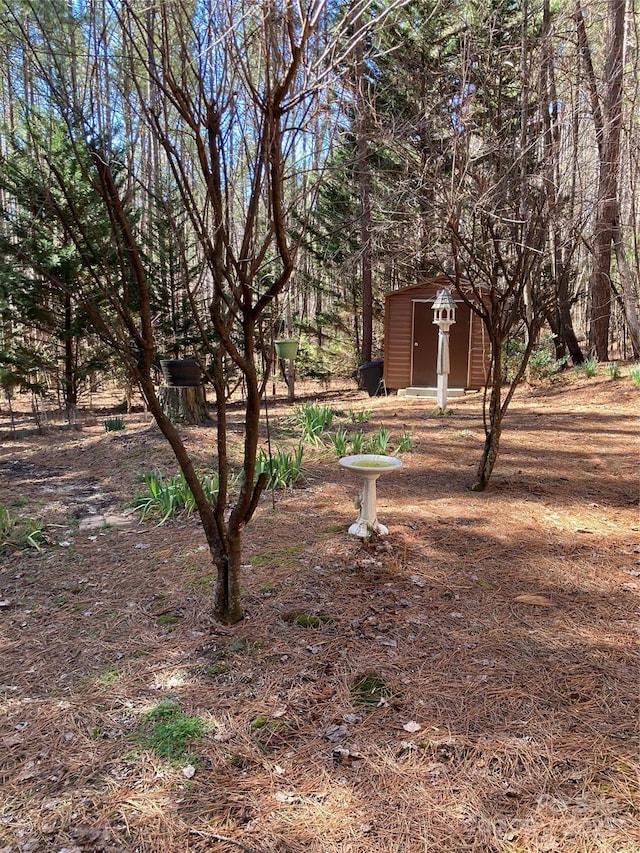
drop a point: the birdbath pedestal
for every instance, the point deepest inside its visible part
(369, 466)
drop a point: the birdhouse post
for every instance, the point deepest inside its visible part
(444, 316)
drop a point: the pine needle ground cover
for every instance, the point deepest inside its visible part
(468, 683)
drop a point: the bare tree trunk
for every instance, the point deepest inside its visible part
(228, 604)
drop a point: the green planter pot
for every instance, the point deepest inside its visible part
(286, 349)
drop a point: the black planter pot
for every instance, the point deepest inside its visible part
(372, 373)
(181, 371)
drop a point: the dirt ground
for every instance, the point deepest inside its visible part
(468, 683)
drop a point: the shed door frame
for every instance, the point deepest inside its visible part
(467, 367)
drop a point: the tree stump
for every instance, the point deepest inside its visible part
(184, 404)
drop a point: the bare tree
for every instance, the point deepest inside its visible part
(226, 90)
(496, 209)
(497, 260)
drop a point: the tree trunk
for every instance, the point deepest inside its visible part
(69, 380)
(608, 203)
(552, 316)
(364, 181)
(567, 331)
(493, 424)
(228, 606)
(560, 259)
(629, 298)
(489, 456)
(184, 404)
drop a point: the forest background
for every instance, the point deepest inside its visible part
(432, 135)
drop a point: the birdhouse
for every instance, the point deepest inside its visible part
(444, 310)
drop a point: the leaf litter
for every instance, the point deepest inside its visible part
(509, 635)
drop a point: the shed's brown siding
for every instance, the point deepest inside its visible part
(398, 336)
(398, 333)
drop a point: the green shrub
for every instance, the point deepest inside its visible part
(326, 361)
(634, 374)
(542, 362)
(19, 531)
(114, 424)
(589, 367)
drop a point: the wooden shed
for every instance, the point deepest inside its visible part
(411, 341)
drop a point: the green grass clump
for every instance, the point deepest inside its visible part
(169, 732)
(218, 668)
(283, 469)
(339, 440)
(369, 689)
(361, 417)
(613, 370)
(462, 433)
(357, 442)
(379, 442)
(313, 420)
(114, 424)
(308, 620)
(108, 677)
(634, 375)
(168, 497)
(168, 620)
(19, 531)
(404, 443)
(589, 367)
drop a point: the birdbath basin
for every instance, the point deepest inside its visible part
(369, 466)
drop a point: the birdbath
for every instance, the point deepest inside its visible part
(369, 466)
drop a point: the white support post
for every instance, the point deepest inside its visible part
(444, 316)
